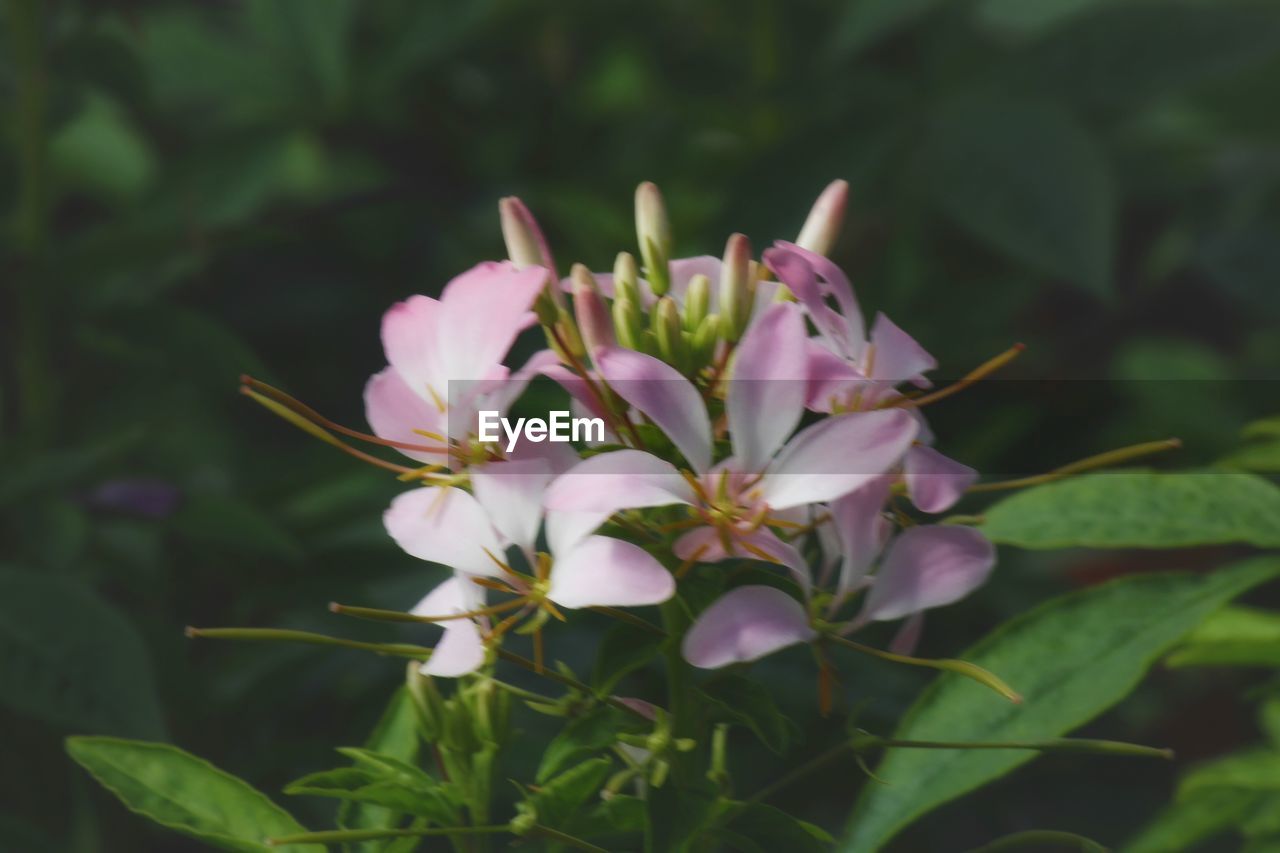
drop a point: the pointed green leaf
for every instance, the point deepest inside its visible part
(1234, 636)
(624, 649)
(1140, 509)
(184, 793)
(743, 701)
(1071, 658)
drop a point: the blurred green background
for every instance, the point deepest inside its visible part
(197, 190)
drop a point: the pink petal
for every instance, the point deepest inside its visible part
(566, 529)
(623, 479)
(604, 572)
(835, 284)
(858, 521)
(799, 276)
(668, 399)
(394, 412)
(410, 339)
(704, 545)
(832, 378)
(511, 494)
(837, 455)
(461, 649)
(928, 567)
(767, 392)
(444, 525)
(459, 652)
(935, 482)
(897, 356)
(481, 312)
(745, 624)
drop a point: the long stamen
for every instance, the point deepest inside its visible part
(319, 432)
(960, 667)
(315, 417)
(761, 553)
(380, 615)
(537, 649)
(979, 373)
(695, 484)
(1101, 460)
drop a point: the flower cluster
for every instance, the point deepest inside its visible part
(752, 417)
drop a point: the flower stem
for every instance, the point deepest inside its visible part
(565, 680)
(961, 667)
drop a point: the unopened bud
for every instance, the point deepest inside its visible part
(526, 244)
(705, 338)
(653, 232)
(590, 310)
(626, 278)
(669, 331)
(697, 299)
(626, 323)
(822, 226)
(568, 332)
(737, 287)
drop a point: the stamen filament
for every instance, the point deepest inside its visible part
(689, 563)
(308, 638)
(315, 417)
(1101, 460)
(961, 667)
(380, 615)
(319, 432)
(979, 373)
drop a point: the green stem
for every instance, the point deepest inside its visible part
(335, 836)
(564, 680)
(283, 635)
(675, 621)
(30, 216)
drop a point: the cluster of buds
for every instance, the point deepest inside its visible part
(750, 418)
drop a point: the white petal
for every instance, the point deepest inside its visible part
(444, 525)
(604, 572)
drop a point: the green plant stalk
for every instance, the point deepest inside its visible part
(336, 836)
(30, 218)
(675, 621)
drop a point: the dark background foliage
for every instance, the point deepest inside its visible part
(198, 190)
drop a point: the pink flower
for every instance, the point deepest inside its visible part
(770, 470)
(445, 356)
(472, 533)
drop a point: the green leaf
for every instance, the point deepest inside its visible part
(761, 828)
(1028, 180)
(394, 790)
(679, 815)
(1234, 636)
(1261, 456)
(71, 659)
(743, 701)
(557, 800)
(184, 793)
(866, 22)
(624, 649)
(1140, 509)
(1071, 658)
(590, 733)
(396, 734)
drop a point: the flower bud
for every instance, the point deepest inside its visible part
(526, 245)
(590, 310)
(626, 323)
(737, 287)
(626, 278)
(653, 232)
(705, 338)
(697, 299)
(822, 226)
(669, 331)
